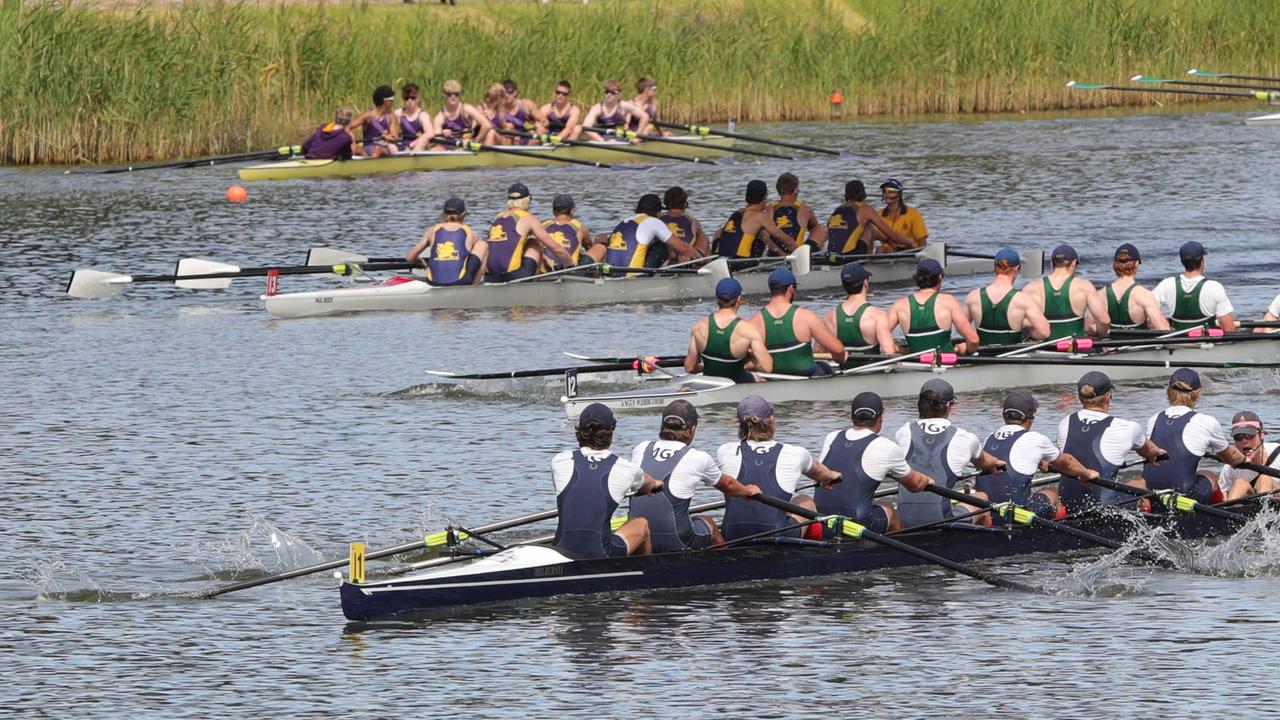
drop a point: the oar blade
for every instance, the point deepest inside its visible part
(333, 256)
(1150, 80)
(93, 284)
(201, 266)
(801, 260)
(718, 269)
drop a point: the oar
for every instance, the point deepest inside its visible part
(858, 532)
(1194, 83)
(1228, 76)
(335, 256)
(546, 139)
(701, 130)
(1264, 95)
(906, 357)
(1172, 500)
(718, 269)
(556, 273)
(837, 259)
(283, 151)
(631, 134)
(476, 147)
(195, 273)
(624, 364)
(947, 359)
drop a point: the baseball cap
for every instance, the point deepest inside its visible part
(891, 183)
(866, 406)
(729, 288)
(754, 406)
(1246, 422)
(597, 414)
(1021, 401)
(853, 274)
(1184, 379)
(1009, 256)
(649, 204)
(757, 190)
(781, 279)
(1130, 250)
(517, 191)
(929, 266)
(562, 203)
(1094, 384)
(1064, 253)
(681, 410)
(455, 206)
(1191, 250)
(938, 390)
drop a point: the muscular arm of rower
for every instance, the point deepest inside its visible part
(682, 249)
(987, 462)
(787, 244)
(893, 237)
(1227, 323)
(637, 112)
(823, 475)
(822, 334)
(1034, 322)
(537, 230)
(757, 351)
(884, 335)
(651, 485)
(693, 359)
(962, 325)
(701, 242)
(732, 488)
(817, 231)
(916, 481)
(416, 251)
(478, 119)
(1068, 465)
(1097, 304)
(1232, 456)
(1150, 451)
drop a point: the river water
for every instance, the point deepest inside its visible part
(161, 442)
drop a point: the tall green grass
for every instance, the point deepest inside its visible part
(87, 84)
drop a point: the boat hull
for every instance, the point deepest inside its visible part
(1272, 119)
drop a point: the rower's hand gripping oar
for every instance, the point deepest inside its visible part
(1172, 500)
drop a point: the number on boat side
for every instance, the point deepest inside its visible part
(571, 383)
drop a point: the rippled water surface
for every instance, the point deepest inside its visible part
(163, 441)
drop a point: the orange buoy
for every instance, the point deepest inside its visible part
(237, 194)
(837, 97)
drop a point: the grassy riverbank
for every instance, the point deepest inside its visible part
(88, 84)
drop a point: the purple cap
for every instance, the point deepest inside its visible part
(754, 406)
(1184, 379)
(891, 184)
(598, 414)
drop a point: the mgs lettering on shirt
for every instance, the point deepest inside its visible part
(964, 449)
(694, 469)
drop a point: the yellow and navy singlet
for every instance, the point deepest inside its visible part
(566, 234)
(844, 234)
(447, 258)
(506, 244)
(787, 218)
(624, 249)
(734, 244)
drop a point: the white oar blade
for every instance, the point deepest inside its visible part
(333, 256)
(92, 284)
(200, 266)
(442, 373)
(800, 260)
(718, 269)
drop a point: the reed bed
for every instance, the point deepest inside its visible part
(87, 83)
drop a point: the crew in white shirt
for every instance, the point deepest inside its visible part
(1187, 436)
(1250, 439)
(642, 241)
(1189, 300)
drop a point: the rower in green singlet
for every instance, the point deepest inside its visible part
(1134, 307)
(862, 328)
(1064, 299)
(1004, 321)
(721, 345)
(790, 331)
(928, 315)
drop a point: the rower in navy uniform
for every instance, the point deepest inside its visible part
(940, 450)
(794, 217)
(1190, 299)
(644, 240)
(864, 459)
(722, 345)
(757, 459)
(1024, 451)
(518, 240)
(750, 232)
(1187, 435)
(1100, 442)
(590, 483)
(570, 233)
(683, 224)
(682, 470)
(455, 254)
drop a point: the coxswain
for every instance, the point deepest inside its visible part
(590, 483)
(722, 345)
(790, 331)
(1100, 442)
(331, 141)
(644, 241)
(569, 232)
(865, 459)
(454, 254)
(1005, 320)
(1250, 440)
(1190, 299)
(794, 217)
(847, 227)
(682, 224)
(940, 450)
(416, 129)
(380, 126)
(906, 220)
(749, 232)
(647, 98)
(682, 469)
(458, 120)
(612, 113)
(517, 240)
(927, 315)
(1129, 305)
(561, 116)
(774, 467)
(1071, 304)
(861, 328)
(1024, 451)
(1186, 436)
(519, 114)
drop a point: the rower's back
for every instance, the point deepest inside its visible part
(668, 515)
(759, 466)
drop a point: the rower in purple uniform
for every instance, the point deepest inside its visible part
(455, 254)
(491, 110)
(569, 232)
(416, 130)
(611, 112)
(644, 241)
(458, 120)
(331, 141)
(682, 224)
(518, 113)
(518, 240)
(1187, 436)
(590, 483)
(380, 125)
(647, 98)
(562, 116)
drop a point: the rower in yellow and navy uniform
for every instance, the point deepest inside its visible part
(790, 331)
(568, 231)
(1072, 305)
(749, 232)
(517, 240)
(906, 220)
(644, 241)
(927, 315)
(847, 229)
(861, 328)
(794, 217)
(1129, 305)
(455, 254)
(683, 224)
(1190, 299)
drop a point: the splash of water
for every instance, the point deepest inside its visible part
(58, 580)
(263, 546)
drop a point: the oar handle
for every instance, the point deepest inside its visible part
(338, 269)
(1182, 502)
(1259, 468)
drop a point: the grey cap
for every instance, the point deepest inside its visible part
(938, 390)
(754, 406)
(681, 410)
(1020, 402)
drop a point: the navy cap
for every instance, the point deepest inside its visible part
(729, 288)
(891, 184)
(1191, 250)
(929, 266)
(1009, 256)
(455, 206)
(649, 204)
(562, 203)
(681, 410)
(937, 390)
(867, 406)
(1021, 402)
(1129, 250)
(754, 406)
(853, 274)
(517, 191)
(1094, 384)
(1064, 253)
(1184, 379)
(597, 414)
(781, 279)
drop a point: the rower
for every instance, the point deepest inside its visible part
(517, 240)
(416, 130)
(518, 113)
(456, 254)
(1190, 300)
(1272, 316)
(332, 141)
(906, 220)
(458, 120)
(1131, 306)
(775, 468)
(861, 328)
(847, 227)
(1250, 440)
(561, 116)
(611, 113)
(647, 98)
(644, 240)
(1187, 435)
(569, 232)
(927, 315)
(790, 331)
(682, 469)
(381, 127)
(750, 231)
(682, 224)
(794, 217)
(865, 459)
(721, 345)
(940, 450)
(590, 483)
(1064, 298)
(491, 110)
(1004, 321)
(1100, 442)
(1024, 451)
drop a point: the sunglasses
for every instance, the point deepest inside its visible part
(563, 92)
(1242, 437)
(410, 97)
(452, 94)
(610, 92)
